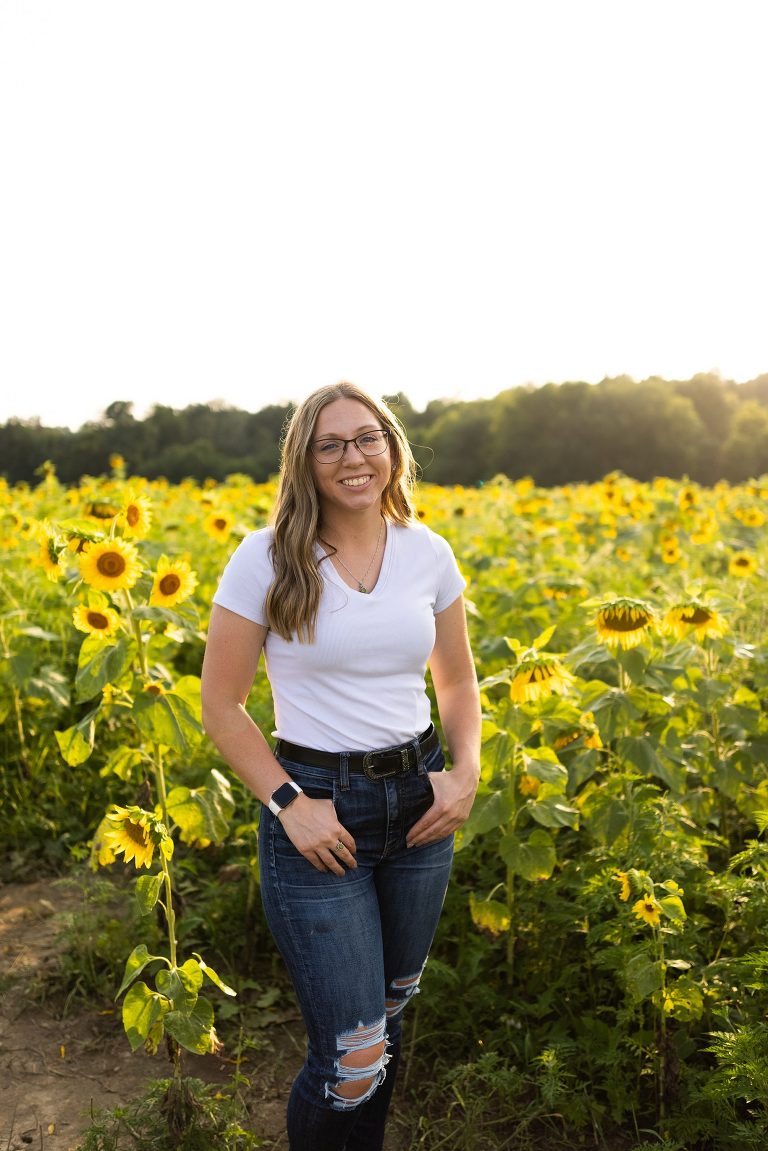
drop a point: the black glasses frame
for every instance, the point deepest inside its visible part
(355, 440)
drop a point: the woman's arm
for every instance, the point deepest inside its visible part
(458, 703)
(232, 654)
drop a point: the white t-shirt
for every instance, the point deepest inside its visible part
(361, 684)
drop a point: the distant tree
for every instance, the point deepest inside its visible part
(745, 454)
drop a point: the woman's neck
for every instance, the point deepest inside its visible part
(354, 530)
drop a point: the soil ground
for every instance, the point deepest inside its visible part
(57, 1067)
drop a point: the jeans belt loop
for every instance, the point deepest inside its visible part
(344, 770)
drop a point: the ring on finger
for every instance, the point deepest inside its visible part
(339, 846)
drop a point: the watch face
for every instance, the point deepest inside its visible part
(283, 795)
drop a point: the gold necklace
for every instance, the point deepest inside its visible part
(361, 582)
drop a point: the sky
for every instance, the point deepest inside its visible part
(243, 201)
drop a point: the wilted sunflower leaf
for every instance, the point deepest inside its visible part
(214, 978)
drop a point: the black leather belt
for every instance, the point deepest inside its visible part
(379, 764)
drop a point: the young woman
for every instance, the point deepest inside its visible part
(350, 598)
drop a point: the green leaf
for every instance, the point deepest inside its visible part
(181, 985)
(544, 765)
(168, 719)
(76, 743)
(193, 1030)
(684, 1000)
(143, 1009)
(101, 662)
(644, 976)
(121, 763)
(214, 978)
(49, 684)
(550, 811)
(489, 812)
(148, 891)
(672, 906)
(489, 915)
(135, 964)
(533, 858)
(202, 813)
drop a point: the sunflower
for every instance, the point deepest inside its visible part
(624, 622)
(742, 565)
(537, 676)
(687, 499)
(174, 581)
(96, 620)
(218, 525)
(751, 517)
(49, 557)
(154, 687)
(623, 878)
(671, 554)
(129, 830)
(647, 910)
(136, 515)
(529, 784)
(110, 565)
(694, 618)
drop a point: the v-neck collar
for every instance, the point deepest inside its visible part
(329, 571)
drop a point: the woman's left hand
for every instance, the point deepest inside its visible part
(454, 793)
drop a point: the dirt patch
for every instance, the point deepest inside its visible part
(60, 1064)
(55, 1069)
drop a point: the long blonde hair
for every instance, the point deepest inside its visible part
(294, 596)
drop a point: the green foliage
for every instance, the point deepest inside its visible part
(598, 977)
(705, 428)
(206, 1117)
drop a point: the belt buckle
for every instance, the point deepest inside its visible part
(374, 770)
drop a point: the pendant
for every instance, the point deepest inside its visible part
(362, 588)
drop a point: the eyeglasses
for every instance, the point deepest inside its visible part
(330, 451)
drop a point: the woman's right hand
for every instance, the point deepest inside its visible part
(314, 830)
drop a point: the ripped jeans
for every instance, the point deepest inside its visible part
(355, 946)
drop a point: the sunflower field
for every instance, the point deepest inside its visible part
(600, 977)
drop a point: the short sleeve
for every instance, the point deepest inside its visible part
(450, 581)
(246, 579)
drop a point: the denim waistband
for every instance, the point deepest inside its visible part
(380, 764)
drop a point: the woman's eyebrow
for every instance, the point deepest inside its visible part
(339, 436)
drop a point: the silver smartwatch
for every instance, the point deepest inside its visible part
(283, 795)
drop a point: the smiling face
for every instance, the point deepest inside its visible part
(355, 482)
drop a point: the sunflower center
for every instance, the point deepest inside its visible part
(169, 584)
(111, 564)
(132, 515)
(620, 622)
(98, 620)
(696, 615)
(134, 832)
(220, 524)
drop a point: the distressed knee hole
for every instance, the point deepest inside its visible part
(360, 1066)
(401, 990)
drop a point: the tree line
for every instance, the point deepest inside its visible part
(706, 429)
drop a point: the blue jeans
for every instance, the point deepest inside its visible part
(355, 946)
